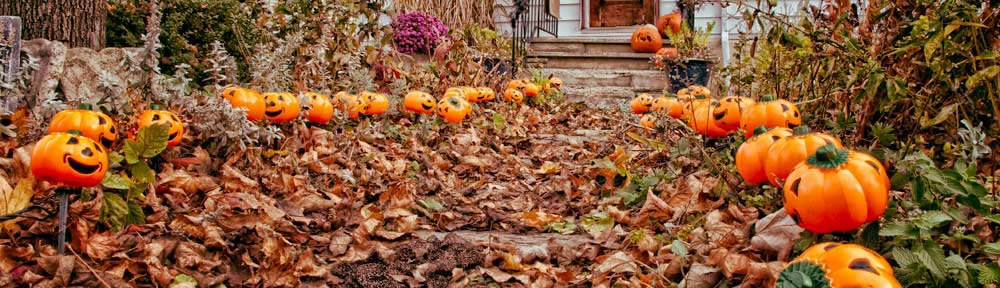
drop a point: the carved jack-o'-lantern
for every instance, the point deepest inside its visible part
(646, 40)
(320, 109)
(453, 109)
(69, 159)
(175, 128)
(419, 102)
(281, 107)
(246, 98)
(92, 124)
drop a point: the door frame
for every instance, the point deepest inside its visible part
(585, 17)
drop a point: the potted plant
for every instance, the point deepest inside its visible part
(689, 61)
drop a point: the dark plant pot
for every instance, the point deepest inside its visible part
(496, 66)
(689, 72)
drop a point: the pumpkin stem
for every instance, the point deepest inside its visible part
(155, 106)
(767, 98)
(801, 130)
(759, 130)
(74, 132)
(700, 96)
(84, 106)
(829, 157)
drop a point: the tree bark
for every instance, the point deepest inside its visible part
(77, 23)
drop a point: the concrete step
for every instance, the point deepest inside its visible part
(600, 97)
(633, 80)
(607, 60)
(579, 45)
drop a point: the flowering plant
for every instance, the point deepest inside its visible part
(417, 32)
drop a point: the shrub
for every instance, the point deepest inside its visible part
(417, 32)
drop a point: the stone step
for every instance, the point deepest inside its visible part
(600, 97)
(579, 45)
(606, 60)
(634, 80)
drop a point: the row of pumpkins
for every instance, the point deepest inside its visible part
(74, 154)
(454, 105)
(826, 188)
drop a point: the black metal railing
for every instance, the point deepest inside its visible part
(530, 18)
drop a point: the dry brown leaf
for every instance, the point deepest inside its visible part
(11, 257)
(619, 262)
(101, 246)
(700, 276)
(539, 219)
(13, 199)
(776, 233)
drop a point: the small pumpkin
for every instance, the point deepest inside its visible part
(471, 94)
(357, 107)
(419, 102)
(731, 108)
(486, 94)
(704, 122)
(155, 115)
(770, 113)
(842, 265)
(342, 100)
(648, 121)
(751, 155)
(556, 83)
(688, 106)
(513, 95)
(377, 103)
(665, 53)
(786, 153)
(531, 89)
(836, 190)
(667, 104)
(694, 91)
(641, 103)
(670, 21)
(320, 109)
(646, 40)
(92, 124)
(518, 84)
(246, 98)
(453, 109)
(69, 159)
(281, 106)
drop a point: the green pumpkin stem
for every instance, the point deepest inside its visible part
(759, 130)
(800, 131)
(85, 106)
(74, 132)
(767, 98)
(829, 157)
(155, 106)
(700, 97)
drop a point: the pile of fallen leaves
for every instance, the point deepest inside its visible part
(509, 197)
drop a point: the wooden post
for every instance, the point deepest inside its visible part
(10, 56)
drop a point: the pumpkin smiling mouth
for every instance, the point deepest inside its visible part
(426, 107)
(274, 113)
(173, 135)
(80, 167)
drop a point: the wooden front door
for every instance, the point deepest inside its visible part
(615, 13)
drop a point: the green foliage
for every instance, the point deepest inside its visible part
(134, 178)
(801, 275)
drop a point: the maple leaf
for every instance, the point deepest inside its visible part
(13, 199)
(776, 232)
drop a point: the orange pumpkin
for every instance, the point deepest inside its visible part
(281, 106)
(788, 152)
(836, 190)
(92, 124)
(357, 107)
(248, 99)
(513, 95)
(377, 103)
(556, 83)
(531, 89)
(665, 53)
(731, 109)
(667, 104)
(848, 265)
(689, 106)
(320, 109)
(648, 121)
(694, 91)
(703, 122)
(670, 21)
(69, 159)
(342, 100)
(453, 109)
(770, 113)
(419, 102)
(175, 128)
(646, 40)
(641, 103)
(485, 94)
(751, 155)
(518, 84)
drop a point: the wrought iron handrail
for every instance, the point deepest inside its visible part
(530, 18)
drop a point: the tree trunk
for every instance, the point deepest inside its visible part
(77, 23)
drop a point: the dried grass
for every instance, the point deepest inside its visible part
(454, 13)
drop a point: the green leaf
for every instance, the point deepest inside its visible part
(150, 141)
(898, 229)
(677, 248)
(431, 204)
(141, 173)
(991, 248)
(131, 151)
(498, 121)
(184, 281)
(986, 73)
(869, 236)
(563, 227)
(932, 256)
(135, 214)
(802, 274)
(931, 220)
(904, 256)
(597, 222)
(116, 181)
(113, 211)
(943, 114)
(988, 274)
(115, 157)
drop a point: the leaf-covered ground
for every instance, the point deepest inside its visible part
(519, 196)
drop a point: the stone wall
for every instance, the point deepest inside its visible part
(80, 73)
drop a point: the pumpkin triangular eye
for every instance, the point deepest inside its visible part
(156, 117)
(174, 117)
(775, 137)
(87, 152)
(862, 265)
(98, 147)
(784, 107)
(100, 120)
(795, 186)
(72, 141)
(281, 98)
(830, 246)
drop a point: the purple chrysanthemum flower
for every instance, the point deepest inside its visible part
(417, 32)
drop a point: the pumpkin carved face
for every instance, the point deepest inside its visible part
(786, 153)
(850, 265)
(688, 106)
(731, 108)
(377, 103)
(641, 103)
(648, 121)
(92, 124)
(704, 122)
(69, 159)
(667, 105)
(556, 83)
(694, 91)
(836, 190)
(519, 84)
(419, 102)
(248, 99)
(486, 94)
(320, 109)
(453, 109)
(751, 155)
(281, 107)
(471, 94)
(357, 107)
(175, 130)
(513, 95)
(531, 89)
(609, 179)
(670, 21)
(646, 40)
(770, 113)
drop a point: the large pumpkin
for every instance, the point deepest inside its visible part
(646, 40)
(419, 102)
(92, 124)
(155, 115)
(731, 109)
(770, 113)
(670, 21)
(320, 109)
(843, 265)
(667, 105)
(69, 159)
(281, 106)
(248, 99)
(704, 122)
(836, 190)
(786, 153)
(751, 155)
(531, 89)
